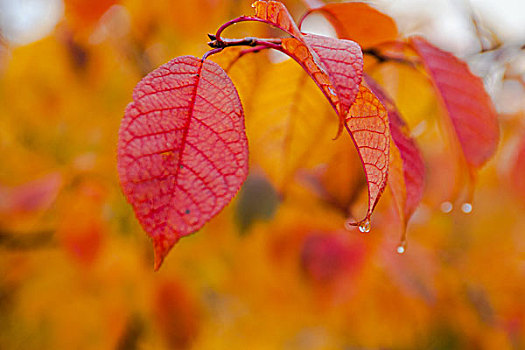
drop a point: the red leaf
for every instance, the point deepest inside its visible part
(275, 13)
(467, 103)
(308, 59)
(412, 165)
(367, 124)
(360, 22)
(343, 61)
(182, 151)
(326, 257)
(335, 65)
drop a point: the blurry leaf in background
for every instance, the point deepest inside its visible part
(360, 22)
(517, 172)
(327, 257)
(82, 16)
(82, 228)
(290, 127)
(256, 201)
(467, 104)
(176, 314)
(29, 198)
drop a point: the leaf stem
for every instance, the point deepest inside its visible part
(256, 44)
(212, 52)
(384, 57)
(232, 22)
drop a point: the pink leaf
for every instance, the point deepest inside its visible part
(467, 104)
(182, 151)
(30, 197)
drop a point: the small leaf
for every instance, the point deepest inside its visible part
(182, 151)
(367, 124)
(360, 22)
(275, 13)
(467, 104)
(410, 163)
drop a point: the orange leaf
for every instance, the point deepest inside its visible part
(360, 22)
(467, 104)
(176, 314)
(518, 170)
(409, 161)
(83, 15)
(275, 13)
(367, 124)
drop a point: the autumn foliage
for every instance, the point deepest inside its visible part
(182, 144)
(359, 190)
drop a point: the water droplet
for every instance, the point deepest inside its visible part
(446, 207)
(466, 208)
(331, 91)
(365, 226)
(401, 249)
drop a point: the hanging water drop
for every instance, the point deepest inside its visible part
(365, 226)
(466, 208)
(401, 249)
(332, 91)
(446, 207)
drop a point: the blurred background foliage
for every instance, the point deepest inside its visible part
(272, 271)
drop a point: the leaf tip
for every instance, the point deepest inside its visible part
(161, 248)
(363, 225)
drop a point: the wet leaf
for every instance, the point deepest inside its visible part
(360, 22)
(408, 187)
(182, 152)
(367, 124)
(467, 104)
